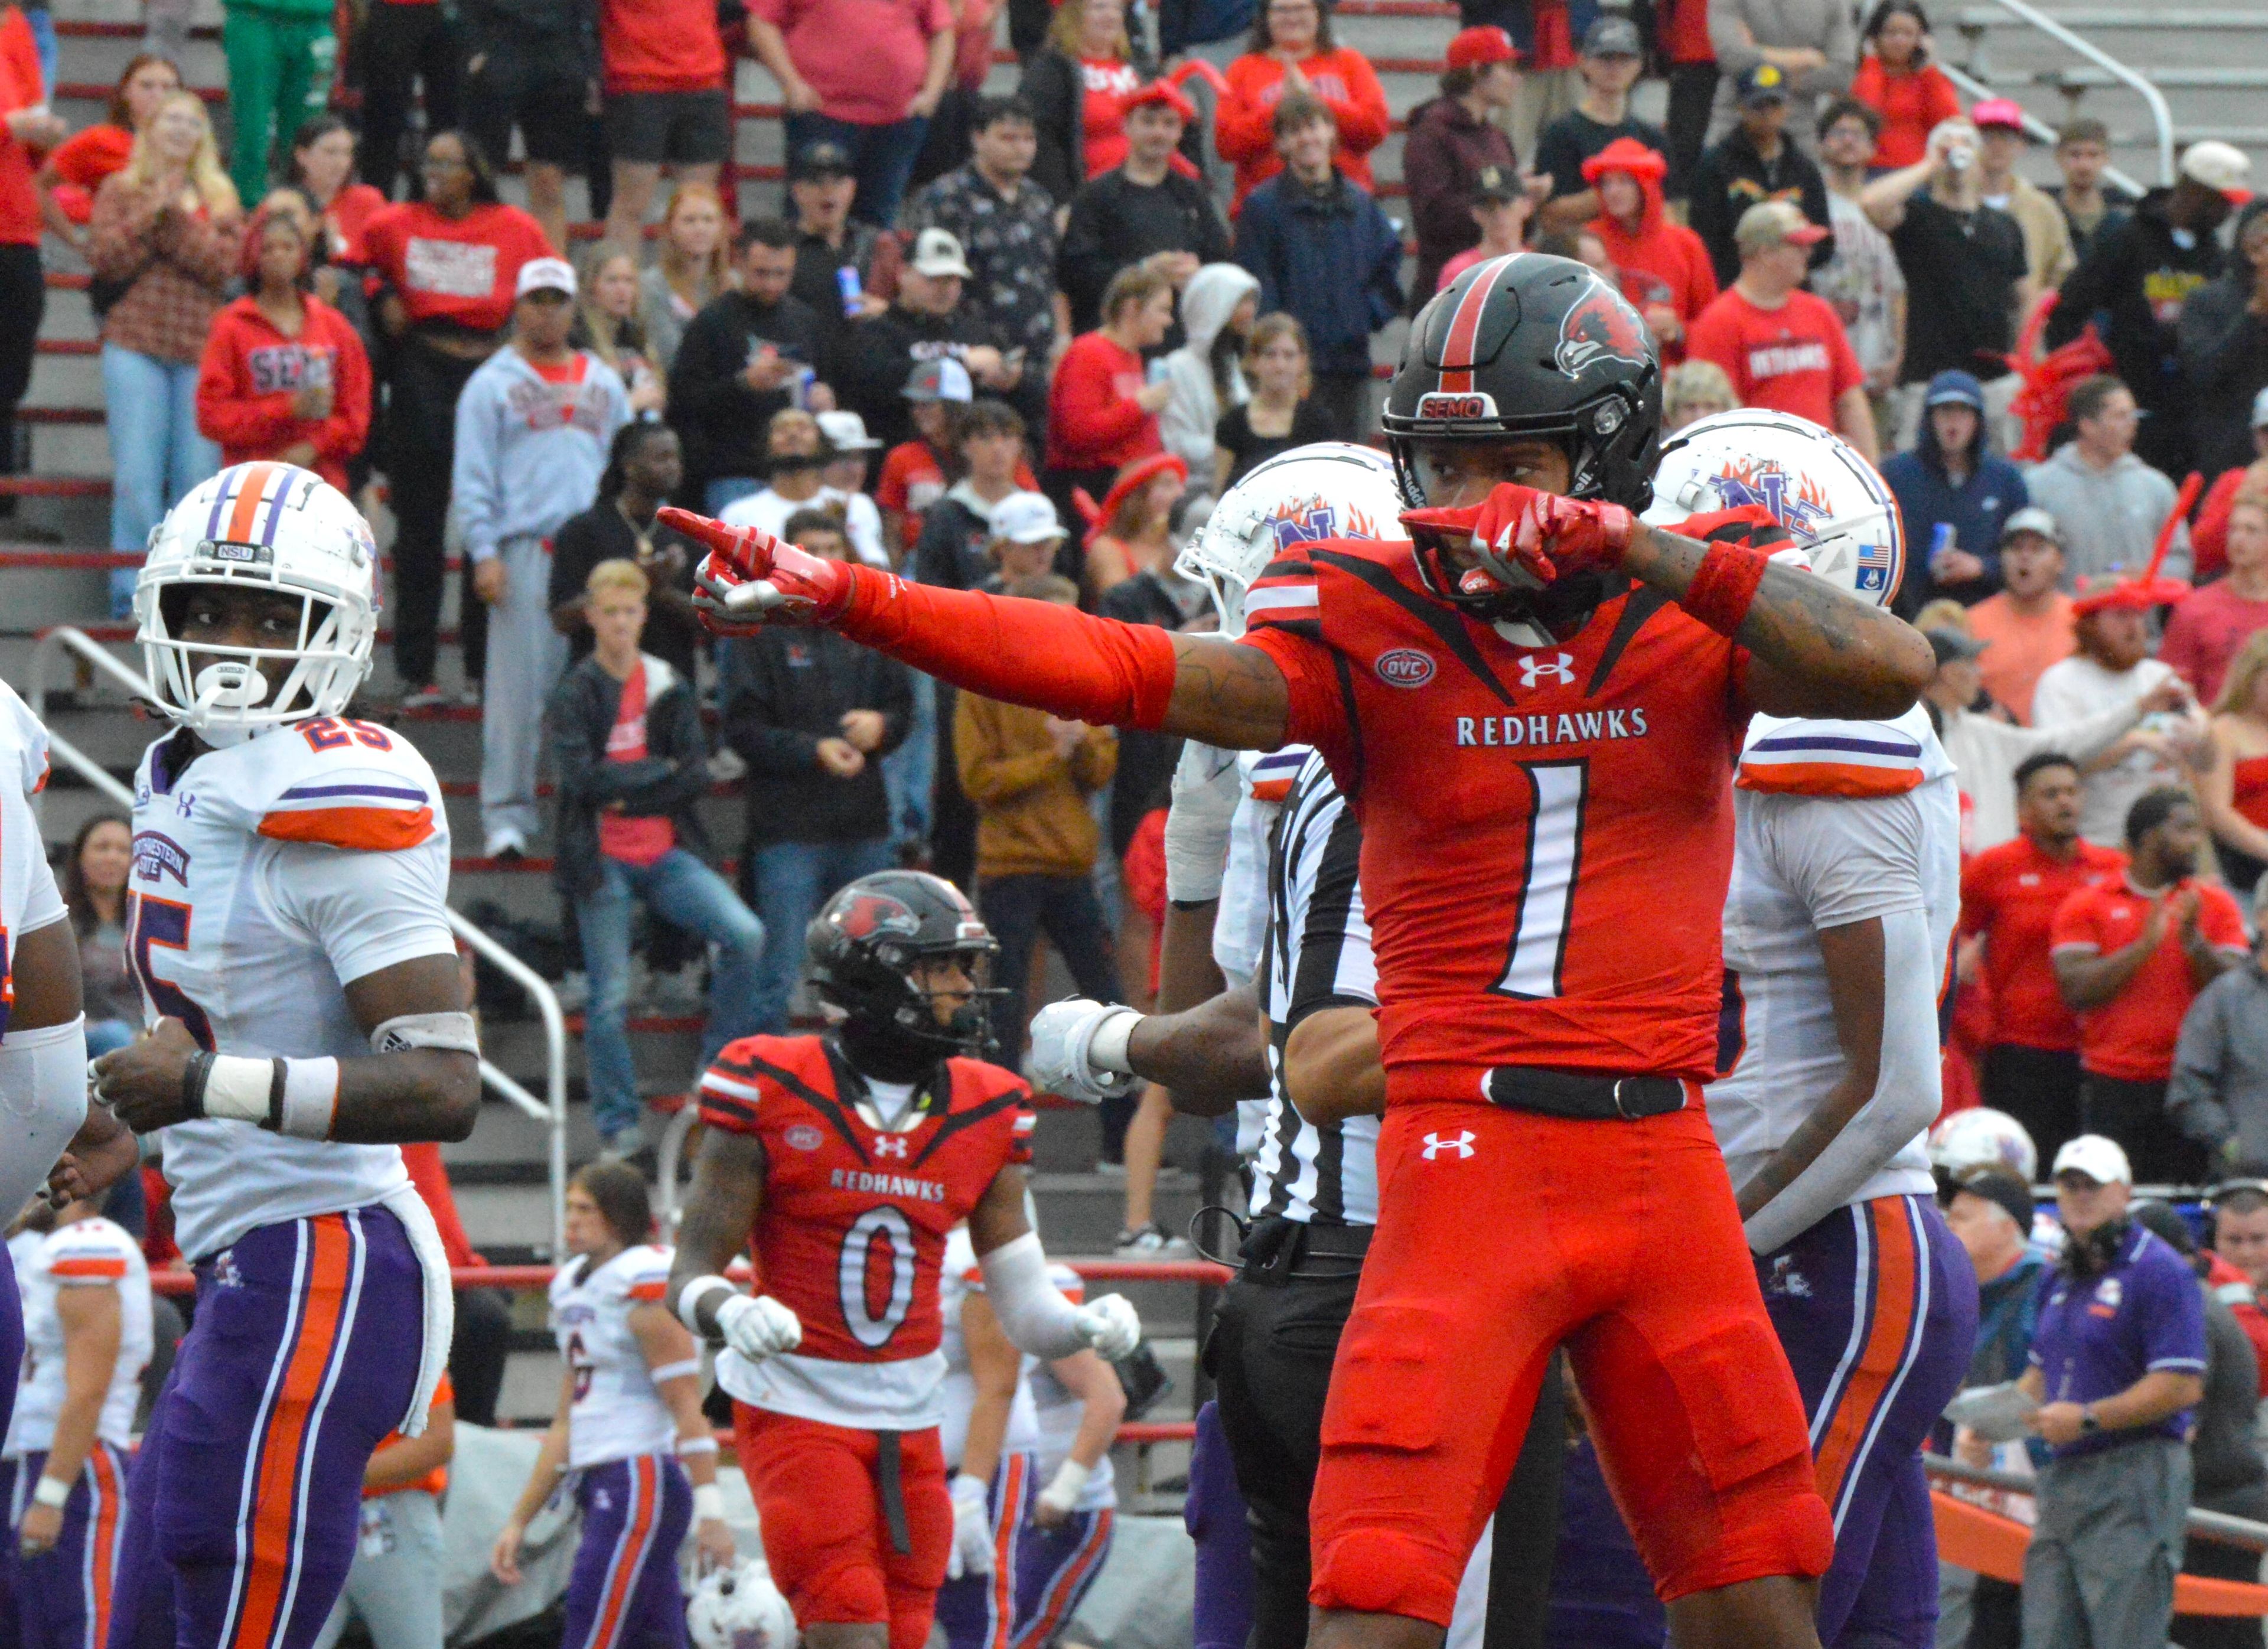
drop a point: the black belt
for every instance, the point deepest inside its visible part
(1581, 1095)
(890, 1483)
(1274, 1248)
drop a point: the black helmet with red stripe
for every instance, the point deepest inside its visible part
(1532, 347)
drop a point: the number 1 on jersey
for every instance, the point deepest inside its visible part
(1555, 863)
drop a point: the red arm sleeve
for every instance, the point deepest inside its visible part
(1242, 128)
(1089, 410)
(1363, 119)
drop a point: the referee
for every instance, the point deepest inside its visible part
(1314, 1203)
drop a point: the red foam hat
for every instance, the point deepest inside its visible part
(1625, 154)
(1163, 92)
(1479, 47)
(1131, 480)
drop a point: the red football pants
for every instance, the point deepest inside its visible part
(1502, 1234)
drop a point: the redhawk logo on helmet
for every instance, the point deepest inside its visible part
(1601, 327)
(870, 914)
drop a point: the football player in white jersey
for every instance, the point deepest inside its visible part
(289, 930)
(1079, 1401)
(628, 1427)
(991, 1439)
(87, 1329)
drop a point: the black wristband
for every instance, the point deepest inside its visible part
(277, 1072)
(193, 1084)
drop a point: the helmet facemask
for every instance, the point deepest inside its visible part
(220, 688)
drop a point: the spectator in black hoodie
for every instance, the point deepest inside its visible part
(871, 360)
(2134, 282)
(2224, 333)
(1142, 210)
(743, 358)
(812, 714)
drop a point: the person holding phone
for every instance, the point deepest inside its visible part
(1897, 81)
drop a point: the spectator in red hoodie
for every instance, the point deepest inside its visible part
(664, 71)
(1453, 139)
(1897, 81)
(26, 127)
(1666, 271)
(1292, 50)
(2209, 538)
(1102, 413)
(284, 375)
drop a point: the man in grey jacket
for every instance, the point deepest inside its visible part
(2109, 503)
(533, 428)
(2218, 1095)
(1815, 43)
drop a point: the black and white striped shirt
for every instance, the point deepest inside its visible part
(1318, 956)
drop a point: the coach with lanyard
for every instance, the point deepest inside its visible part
(2117, 1368)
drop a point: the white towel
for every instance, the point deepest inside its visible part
(440, 1302)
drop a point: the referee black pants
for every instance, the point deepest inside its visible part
(1269, 1353)
(2039, 1087)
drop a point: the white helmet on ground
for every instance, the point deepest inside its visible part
(264, 527)
(1839, 511)
(1330, 489)
(1982, 1137)
(740, 1609)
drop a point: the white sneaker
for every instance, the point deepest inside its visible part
(1153, 1242)
(573, 990)
(505, 845)
(426, 697)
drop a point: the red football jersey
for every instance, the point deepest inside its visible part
(851, 1233)
(1547, 832)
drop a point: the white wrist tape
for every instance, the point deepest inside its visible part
(690, 1446)
(690, 1367)
(708, 1503)
(690, 1298)
(1032, 1310)
(1106, 1051)
(51, 1491)
(455, 1032)
(1064, 1487)
(1204, 796)
(298, 1097)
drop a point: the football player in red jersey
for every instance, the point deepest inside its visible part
(841, 1162)
(1534, 707)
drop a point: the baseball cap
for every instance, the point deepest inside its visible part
(937, 254)
(2032, 518)
(1999, 1185)
(1949, 644)
(1166, 92)
(2260, 410)
(1497, 185)
(2230, 1187)
(2099, 1159)
(2005, 112)
(1953, 388)
(1771, 223)
(1026, 517)
(1479, 47)
(2218, 165)
(1766, 83)
(1612, 37)
(545, 275)
(821, 159)
(943, 378)
(846, 432)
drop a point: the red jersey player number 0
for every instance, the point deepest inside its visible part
(870, 1329)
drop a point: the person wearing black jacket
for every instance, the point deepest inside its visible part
(626, 747)
(870, 359)
(743, 358)
(813, 715)
(2224, 337)
(1055, 86)
(1143, 208)
(1756, 161)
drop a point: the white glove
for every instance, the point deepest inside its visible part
(758, 1326)
(1063, 1490)
(1111, 1326)
(972, 1529)
(1063, 1047)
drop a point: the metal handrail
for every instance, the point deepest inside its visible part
(2218, 1526)
(2161, 115)
(2035, 127)
(553, 1113)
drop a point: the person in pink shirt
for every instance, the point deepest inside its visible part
(865, 74)
(2219, 617)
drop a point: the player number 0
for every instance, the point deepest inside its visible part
(869, 1330)
(1555, 863)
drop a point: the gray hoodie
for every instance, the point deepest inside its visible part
(1186, 425)
(2109, 517)
(530, 452)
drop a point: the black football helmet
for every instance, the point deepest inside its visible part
(863, 947)
(1530, 347)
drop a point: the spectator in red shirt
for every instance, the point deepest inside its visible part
(26, 127)
(284, 374)
(2130, 957)
(2239, 1238)
(75, 168)
(1292, 50)
(443, 272)
(2218, 618)
(665, 73)
(2209, 538)
(1665, 271)
(2009, 895)
(1897, 81)
(321, 167)
(865, 74)
(2234, 788)
(1103, 414)
(1782, 347)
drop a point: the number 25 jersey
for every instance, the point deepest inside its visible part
(1546, 830)
(267, 876)
(850, 1235)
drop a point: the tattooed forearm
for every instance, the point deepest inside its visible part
(1210, 1056)
(1817, 651)
(728, 1185)
(1228, 694)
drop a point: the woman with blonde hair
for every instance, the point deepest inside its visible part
(1279, 414)
(1694, 390)
(1078, 83)
(607, 324)
(2234, 788)
(692, 264)
(163, 241)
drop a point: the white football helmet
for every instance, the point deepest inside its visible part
(266, 526)
(1839, 510)
(740, 1609)
(1982, 1137)
(1329, 489)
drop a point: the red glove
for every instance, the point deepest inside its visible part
(1525, 539)
(750, 580)
(1706, 525)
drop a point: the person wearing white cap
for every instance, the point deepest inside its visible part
(846, 433)
(2139, 272)
(534, 429)
(2117, 1362)
(2221, 343)
(928, 322)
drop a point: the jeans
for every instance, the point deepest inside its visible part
(1018, 910)
(789, 881)
(681, 889)
(156, 453)
(883, 156)
(910, 771)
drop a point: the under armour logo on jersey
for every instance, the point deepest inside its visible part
(890, 1146)
(185, 802)
(1461, 1142)
(1559, 668)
